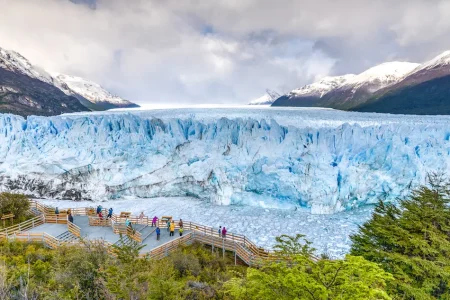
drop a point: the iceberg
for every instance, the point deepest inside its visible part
(322, 160)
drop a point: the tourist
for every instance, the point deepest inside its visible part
(127, 222)
(180, 224)
(155, 219)
(99, 209)
(158, 233)
(70, 218)
(56, 211)
(220, 231)
(168, 225)
(141, 218)
(172, 228)
(181, 231)
(224, 232)
(110, 212)
(100, 215)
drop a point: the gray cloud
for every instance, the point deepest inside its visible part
(225, 51)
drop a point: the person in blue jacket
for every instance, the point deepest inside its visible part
(158, 233)
(110, 212)
(99, 209)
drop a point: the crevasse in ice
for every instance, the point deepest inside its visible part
(238, 159)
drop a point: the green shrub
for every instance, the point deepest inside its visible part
(16, 204)
(412, 242)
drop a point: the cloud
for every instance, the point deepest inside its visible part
(225, 51)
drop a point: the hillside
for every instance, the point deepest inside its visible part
(26, 89)
(344, 92)
(428, 98)
(23, 95)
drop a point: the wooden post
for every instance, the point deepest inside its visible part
(234, 253)
(223, 248)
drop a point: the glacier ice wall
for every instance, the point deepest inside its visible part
(226, 161)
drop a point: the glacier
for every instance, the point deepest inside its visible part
(322, 160)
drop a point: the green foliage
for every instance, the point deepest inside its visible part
(305, 278)
(31, 271)
(287, 245)
(127, 252)
(412, 242)
(16, 204)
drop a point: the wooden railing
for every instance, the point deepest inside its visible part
(248, 251)
(164, 249)
(56, 219)
(27, 225)
(96, 221)
(74, 229)
(119, 228)
(134, 234)
(39, 237)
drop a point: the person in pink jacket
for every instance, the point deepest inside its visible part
(155, 219)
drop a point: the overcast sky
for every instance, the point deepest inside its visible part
(219, 51)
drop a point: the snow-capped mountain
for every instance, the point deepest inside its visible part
(268, 98)
(323, 86)
(381, 75)
(424, 90)
(93, 92)
(22, 94)
(263, 100)
(26, 89)
(15, 62)
(347, 90)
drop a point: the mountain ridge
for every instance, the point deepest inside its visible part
(346, 91)
(20, 92)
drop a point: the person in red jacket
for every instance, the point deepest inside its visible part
(224, 232)
(100, 215)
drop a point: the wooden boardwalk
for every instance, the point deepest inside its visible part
(55, 230)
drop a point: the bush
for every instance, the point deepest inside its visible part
(16, 204)
(412, 242)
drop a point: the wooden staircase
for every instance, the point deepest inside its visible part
(68, 237)
(124, 241)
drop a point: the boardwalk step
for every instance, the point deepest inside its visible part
(67, 237)
(124, 241)
(35, 211)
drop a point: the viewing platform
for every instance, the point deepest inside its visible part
(54, 230)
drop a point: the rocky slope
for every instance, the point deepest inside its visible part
(26, 89)
(268, 98)
(98, 97)
(425, 90)
(347, 91)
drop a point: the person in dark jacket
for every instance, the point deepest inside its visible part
(99, 209)
(220, 231)
(110, 212)
(158, 233)
(56, 211)
(70, 218)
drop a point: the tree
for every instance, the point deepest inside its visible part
(412, 241)
(293, 245)
(304, 277)
(16, 204)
